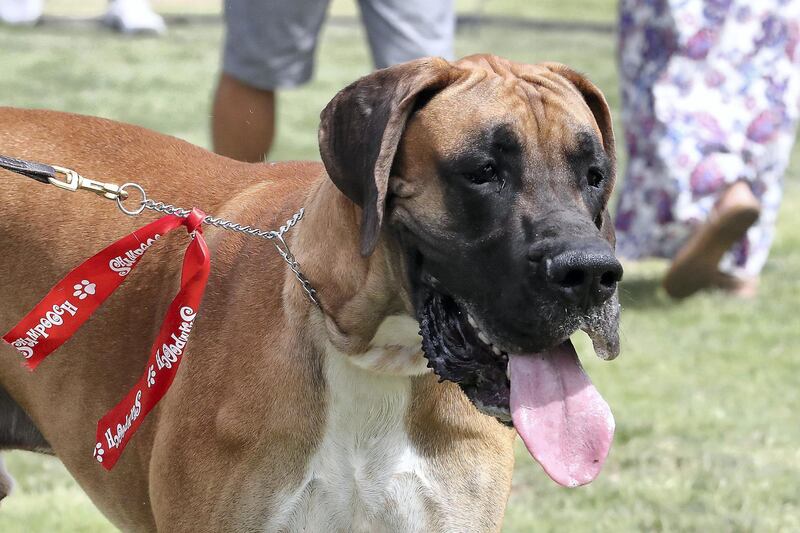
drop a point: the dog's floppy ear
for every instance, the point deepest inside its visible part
(360, 130)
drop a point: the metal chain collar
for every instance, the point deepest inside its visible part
(72, 181)
(275, 236)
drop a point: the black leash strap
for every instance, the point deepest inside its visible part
(63, 178)
(38, 171)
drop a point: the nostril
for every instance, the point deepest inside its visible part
(609, 279)
(573, 278)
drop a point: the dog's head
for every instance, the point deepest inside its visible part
(494, 177)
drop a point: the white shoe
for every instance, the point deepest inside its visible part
(133, 16)
(21, 12)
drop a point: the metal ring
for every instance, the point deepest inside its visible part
(138, 210)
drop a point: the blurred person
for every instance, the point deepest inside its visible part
(710, 94)
(270, 45)
(126, 16)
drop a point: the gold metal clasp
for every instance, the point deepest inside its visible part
(73, 181)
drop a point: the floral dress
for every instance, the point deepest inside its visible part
(711, 95)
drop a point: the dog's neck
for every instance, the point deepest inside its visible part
(369, 348)
(357, 294)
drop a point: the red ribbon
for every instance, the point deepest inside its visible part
(73, 300)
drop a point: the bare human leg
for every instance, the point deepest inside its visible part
(243, 122)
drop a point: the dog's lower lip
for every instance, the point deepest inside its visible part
(602, 349)
(455, 353)
(459, 348)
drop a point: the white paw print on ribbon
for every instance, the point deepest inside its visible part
(84, 289)
(98, 452)
(151, 377)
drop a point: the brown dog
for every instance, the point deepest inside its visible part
(465, 199)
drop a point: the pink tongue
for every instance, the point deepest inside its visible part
(562, 419)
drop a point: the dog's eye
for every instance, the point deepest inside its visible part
(486, 174)
(594, 178)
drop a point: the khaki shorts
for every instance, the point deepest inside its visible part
(270, 44)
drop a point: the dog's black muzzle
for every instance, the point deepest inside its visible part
(583, 274)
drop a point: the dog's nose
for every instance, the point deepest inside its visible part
(587, 277)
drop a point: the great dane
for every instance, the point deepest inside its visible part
(457, 235)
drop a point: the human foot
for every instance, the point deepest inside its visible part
(695, 266)
(20, 12)
(134, 16)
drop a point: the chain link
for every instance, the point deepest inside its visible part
(73, 181)
(275, 236)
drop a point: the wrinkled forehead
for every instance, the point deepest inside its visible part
(524, 104)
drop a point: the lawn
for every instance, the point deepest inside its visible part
(705, 394)
(578, 10)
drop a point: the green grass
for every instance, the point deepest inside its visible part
(705, 393)
(585, 10)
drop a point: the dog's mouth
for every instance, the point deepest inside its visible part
(546, 396)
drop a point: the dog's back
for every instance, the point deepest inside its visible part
(45, 232)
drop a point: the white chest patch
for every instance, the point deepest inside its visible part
(365, 475)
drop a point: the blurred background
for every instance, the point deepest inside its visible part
(706, 392)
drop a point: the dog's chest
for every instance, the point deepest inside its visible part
(366, 474)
